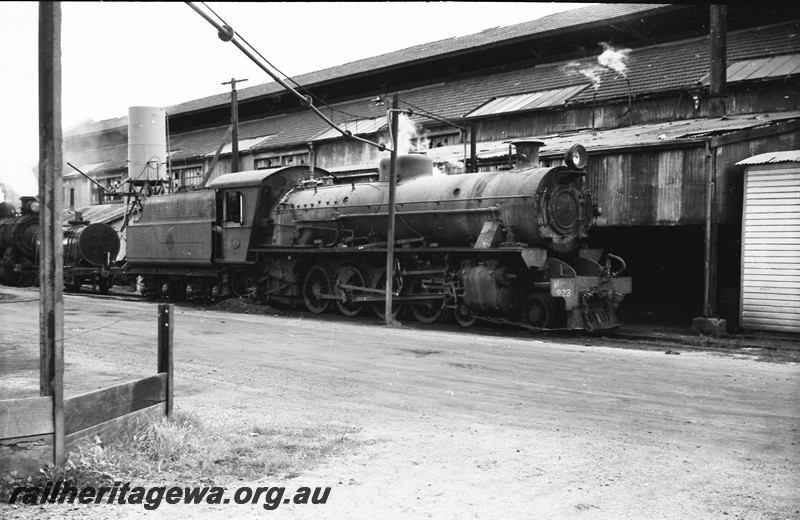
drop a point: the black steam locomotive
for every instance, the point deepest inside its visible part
(502, 245)
(89, 249)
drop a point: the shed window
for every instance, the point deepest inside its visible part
(233, 207)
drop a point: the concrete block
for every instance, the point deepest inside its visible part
(710, 326)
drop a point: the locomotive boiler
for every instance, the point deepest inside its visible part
(502, 245)
(90, 249)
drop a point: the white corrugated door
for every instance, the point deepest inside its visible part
(771, 248)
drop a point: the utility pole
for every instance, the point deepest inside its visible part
(718, 36)
(51, 200)
(390, 233)
(234, 123)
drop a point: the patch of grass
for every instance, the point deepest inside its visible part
(182, 448)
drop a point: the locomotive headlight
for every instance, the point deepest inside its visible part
(34, 207)
(576, 157)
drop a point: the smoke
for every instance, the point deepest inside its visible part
(410, 136)
(611, 59)
(449, 167)
(592, 72)
(14, 185)
(614, 59)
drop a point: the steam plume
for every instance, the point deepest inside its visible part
(615, 59)
(610, 59)
(411, 137)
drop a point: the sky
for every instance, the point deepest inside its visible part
(121, 54)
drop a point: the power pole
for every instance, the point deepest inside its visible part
(718, 37)
(51, 200)
(234, 123)
(390, 232)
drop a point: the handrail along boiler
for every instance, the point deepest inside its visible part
(502, 245)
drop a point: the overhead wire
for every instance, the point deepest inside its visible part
(226, 33)
(288, 78)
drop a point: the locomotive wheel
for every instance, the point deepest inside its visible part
(316, 285)
(379, 282)
(539, 310)
(349, 275)
(425, 311)
(463, 315)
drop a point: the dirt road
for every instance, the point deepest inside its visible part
(453, 424)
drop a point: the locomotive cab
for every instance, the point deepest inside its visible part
(245, 202)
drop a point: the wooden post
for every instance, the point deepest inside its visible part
(166, 328)
(719, 49)
(390, 233)
(51, 203)
(234, 123)
(473, 149)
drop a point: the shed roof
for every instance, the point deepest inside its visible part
(761, 68)
(772, 158)
(529, 101)
(575, 18)
(100, 213)
(678, 133)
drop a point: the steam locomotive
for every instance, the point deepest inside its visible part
(89, 249)
(501, 245)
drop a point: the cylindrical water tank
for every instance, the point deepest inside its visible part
(147, 143)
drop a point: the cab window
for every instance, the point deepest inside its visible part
(233, 207)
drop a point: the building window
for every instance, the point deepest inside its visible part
(109, 194)
(438, 141)
(268, 162)
(189, 176)
(296, 159)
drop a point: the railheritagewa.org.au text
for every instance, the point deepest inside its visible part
(151, 498)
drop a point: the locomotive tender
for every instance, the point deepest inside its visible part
(504, 245)
(89, 249)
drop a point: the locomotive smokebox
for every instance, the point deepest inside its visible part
(147, 143)
(409, 166)
(98, 244)
(527, 152)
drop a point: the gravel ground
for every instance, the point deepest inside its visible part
(451, 423)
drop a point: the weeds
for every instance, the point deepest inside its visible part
(182, 448)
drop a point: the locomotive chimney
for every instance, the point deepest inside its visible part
(527, 152)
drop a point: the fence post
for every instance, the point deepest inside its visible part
(165, 337)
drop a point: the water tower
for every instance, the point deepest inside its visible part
(147, 149)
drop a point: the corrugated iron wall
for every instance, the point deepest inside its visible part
(648, 188)
(341, 152)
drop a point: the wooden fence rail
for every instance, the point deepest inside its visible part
(27, 432)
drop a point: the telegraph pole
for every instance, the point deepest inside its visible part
(391, 210)
(234, 123)
(51, 199)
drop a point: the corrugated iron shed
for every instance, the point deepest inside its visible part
(244, 145)
(575, 18)
(529, 101)
(772, 158)
(101, 213)
(660, 134)
(357, 127)
(761, 68)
